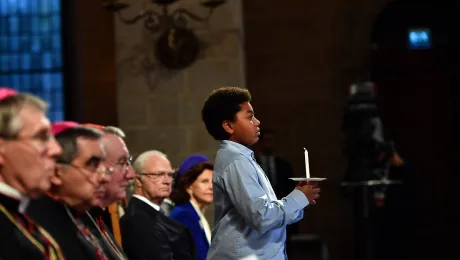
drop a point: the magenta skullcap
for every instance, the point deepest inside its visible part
(7, 92)
(60, 126)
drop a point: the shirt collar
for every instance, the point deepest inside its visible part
(238, 148)
(144, 199)
(197, 208)
(11, 192)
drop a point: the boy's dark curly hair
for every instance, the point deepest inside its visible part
(223, 104)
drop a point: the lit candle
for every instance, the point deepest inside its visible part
(307, 166)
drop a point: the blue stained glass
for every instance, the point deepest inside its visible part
(47, 60)
(48, 43)
(57, 42)
(31, 50)
(3, 80)
(23, 6)
(36, 61)
(3, 44)
(55, 6)
(56, 23)
(14, 44)
(14, 62)
(3, 8)
(33, 6)
(45, 24)
(16, 82)
(26, 61)
(12, 6)
(45, 7)
(35, 23)
(24, 24)
(58, 79)
(3, 25)
(57, 60)
(46, 80)
(14, 24)
(5, 60)
(26, 79)
(36, 44)
(24, 43)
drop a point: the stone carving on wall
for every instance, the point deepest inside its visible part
(140, 59)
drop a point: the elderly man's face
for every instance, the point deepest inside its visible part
(28, 161)
(157, 178)
(119, 164)
(83, 180)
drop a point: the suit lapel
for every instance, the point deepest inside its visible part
(189, 207)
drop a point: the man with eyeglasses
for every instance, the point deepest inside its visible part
(27, 151)
(77, 186)
(105, 217)
(147, 233)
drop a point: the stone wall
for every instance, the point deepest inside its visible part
(161, 110)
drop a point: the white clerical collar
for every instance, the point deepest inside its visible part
(11, 192)
(144, 199)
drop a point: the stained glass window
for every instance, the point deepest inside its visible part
(31, 50)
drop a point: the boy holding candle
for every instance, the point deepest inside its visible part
(248, 218)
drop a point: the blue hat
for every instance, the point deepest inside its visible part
(191, 161)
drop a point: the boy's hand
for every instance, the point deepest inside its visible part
(310, 190)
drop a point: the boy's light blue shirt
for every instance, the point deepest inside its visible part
(248, 219)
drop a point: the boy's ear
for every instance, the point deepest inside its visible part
(228, 127)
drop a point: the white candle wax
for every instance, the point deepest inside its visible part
(307, 166)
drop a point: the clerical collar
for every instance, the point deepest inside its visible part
(96, 211)
(11, 192)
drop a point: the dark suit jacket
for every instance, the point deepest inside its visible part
(148, 234)
(187, 215)
(284, 185)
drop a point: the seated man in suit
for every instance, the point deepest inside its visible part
(147, 233)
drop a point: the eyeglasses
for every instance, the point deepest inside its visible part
(43, 138)
(157, 175)
(123, 166)
(101, 171)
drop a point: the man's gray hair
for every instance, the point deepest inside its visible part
(115, 131)
(139, 163)
(10, 125)
(138, 167)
